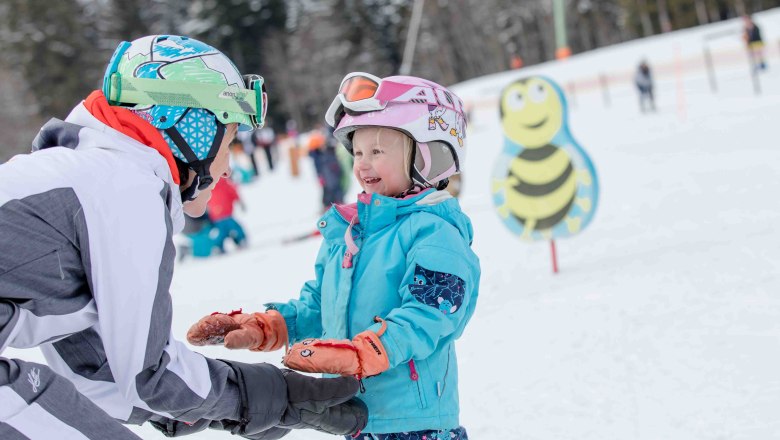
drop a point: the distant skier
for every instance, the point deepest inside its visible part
(265, 139)
(644, 84)
(755, 44)
(240, 163)
(220, 211)
(247, 143)
(322, 150)
(86, 261)
(195, 239)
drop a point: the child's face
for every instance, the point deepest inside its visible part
(380, 161)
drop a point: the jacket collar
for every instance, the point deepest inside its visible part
(373, 212)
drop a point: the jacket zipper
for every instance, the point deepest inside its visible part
(413, 371)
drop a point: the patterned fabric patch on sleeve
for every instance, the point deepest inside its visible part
(437, 289)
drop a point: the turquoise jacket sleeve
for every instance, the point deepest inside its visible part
(438, 292)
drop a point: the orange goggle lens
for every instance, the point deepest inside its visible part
(358, 87)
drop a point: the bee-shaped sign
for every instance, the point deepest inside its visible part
(544, 184)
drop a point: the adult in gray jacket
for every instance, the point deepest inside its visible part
(86, 261)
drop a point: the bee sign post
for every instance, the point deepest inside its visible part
(544, 184)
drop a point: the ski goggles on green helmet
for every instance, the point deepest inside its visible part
(245, 106)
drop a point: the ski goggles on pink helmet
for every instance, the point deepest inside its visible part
(357, 93)
(362, 92)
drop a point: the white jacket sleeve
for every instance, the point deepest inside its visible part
(131, 259)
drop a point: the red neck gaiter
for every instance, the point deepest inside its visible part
(126, 122)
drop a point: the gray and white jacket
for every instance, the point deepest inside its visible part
(86, 260)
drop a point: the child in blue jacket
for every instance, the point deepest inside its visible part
(396, 279)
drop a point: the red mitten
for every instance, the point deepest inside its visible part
(256, 331)
(363, 356)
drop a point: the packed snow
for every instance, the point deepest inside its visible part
(664, 320)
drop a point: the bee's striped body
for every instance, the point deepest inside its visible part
(544, 184)
(543, 187)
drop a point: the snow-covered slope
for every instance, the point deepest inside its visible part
(664, 322)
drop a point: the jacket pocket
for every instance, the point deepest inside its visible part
(416, 377)
(13, 261)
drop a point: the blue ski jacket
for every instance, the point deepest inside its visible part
(412, 265)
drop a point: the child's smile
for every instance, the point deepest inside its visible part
(371, 180)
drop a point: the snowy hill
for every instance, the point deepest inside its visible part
(664, 322)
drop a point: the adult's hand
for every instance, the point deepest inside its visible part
(284, 399)
(327, 405)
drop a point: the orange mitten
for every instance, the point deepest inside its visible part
(256, 331)
(363, 356)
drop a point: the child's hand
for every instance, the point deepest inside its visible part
(363, 356)
(256, 332)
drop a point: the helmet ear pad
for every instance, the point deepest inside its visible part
(431, 161)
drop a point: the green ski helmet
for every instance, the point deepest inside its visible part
(189, 91)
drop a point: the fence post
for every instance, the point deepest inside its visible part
(753, 63)
(710, 69)
(573, 94)
(604, 89)
(680, 86)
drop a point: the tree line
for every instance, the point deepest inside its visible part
(54, 53)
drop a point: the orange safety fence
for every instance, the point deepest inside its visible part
(673, 68)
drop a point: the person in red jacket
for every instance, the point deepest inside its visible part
(220, 211)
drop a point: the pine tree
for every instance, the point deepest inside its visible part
(57, 48)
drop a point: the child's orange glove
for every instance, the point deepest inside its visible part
(363, 356)
(256, 331)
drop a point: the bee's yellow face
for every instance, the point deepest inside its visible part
(532, 112)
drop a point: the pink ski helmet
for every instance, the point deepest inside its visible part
(425, 111)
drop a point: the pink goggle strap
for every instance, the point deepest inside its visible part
(389, 90)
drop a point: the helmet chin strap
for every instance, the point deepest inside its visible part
(419, 180)
(201, 167)
(442, 184)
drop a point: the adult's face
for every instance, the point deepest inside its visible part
(220, 168)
